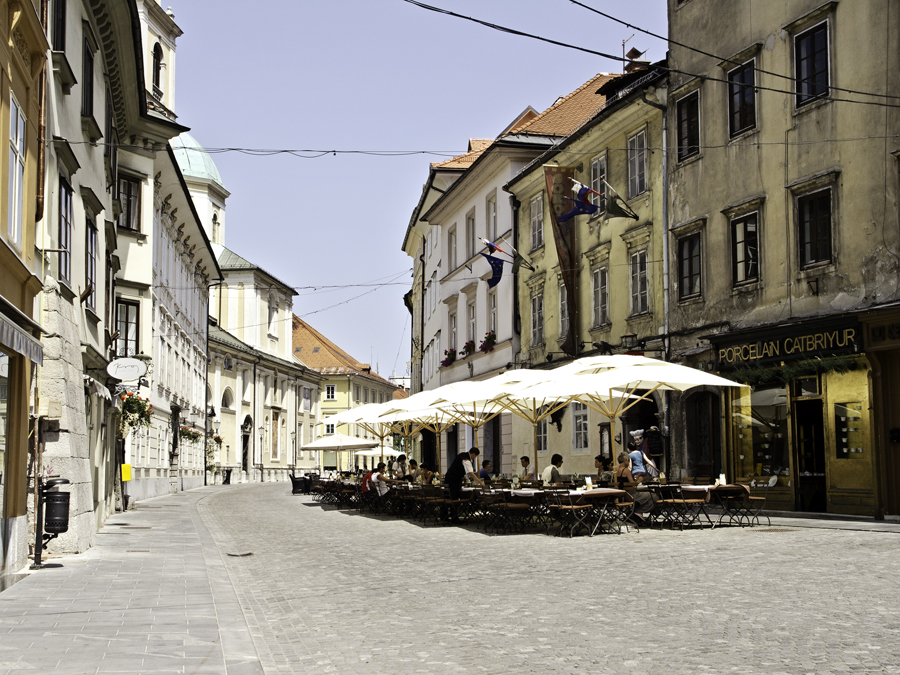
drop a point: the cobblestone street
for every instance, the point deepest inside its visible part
(329, 591)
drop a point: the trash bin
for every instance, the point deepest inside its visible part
(56, 514)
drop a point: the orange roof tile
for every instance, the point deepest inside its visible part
(322, 355)
(568, 112)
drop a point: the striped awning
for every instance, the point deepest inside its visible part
(14, 338)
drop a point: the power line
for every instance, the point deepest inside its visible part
(714, 56)
(513, 31)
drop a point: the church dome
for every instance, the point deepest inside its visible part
(193, 160)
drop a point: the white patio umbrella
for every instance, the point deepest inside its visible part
(339, 441)
(375, 452)
(414, 413)
(367, 416)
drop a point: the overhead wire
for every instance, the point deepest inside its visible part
(720, 58)
(620, 59)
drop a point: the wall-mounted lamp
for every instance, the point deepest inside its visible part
(629, 340)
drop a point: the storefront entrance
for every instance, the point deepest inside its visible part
(704, 451)
(809, 456)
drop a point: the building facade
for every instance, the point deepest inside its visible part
(783, 231)
(613, 300)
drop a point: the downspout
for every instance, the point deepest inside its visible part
(42, 129)
(514, 204)
(256, 416)
(422, 319)
(665, 246)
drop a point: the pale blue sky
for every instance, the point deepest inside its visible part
(367, 75)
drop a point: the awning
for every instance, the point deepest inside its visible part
(13, 337)
(96, 387)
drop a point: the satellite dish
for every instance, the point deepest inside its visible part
(127, 369)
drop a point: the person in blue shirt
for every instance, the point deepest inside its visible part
(485, 473)
(638, 470)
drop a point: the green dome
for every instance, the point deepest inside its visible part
(193, 160)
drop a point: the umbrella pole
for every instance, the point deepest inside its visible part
(534, 428)
(438, 438)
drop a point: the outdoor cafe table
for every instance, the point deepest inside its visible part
(732, 499)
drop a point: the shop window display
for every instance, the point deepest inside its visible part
(760, 424)
(4, 426)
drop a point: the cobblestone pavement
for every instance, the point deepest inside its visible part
(330, 591)
(248, 580)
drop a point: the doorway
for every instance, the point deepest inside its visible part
(452, 449)
(246, 430)
(809, 456)
(703, 451)
(493, 446)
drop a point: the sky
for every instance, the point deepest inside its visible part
(369, 75)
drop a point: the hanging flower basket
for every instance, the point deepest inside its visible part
(468, 349)
(487, 345)
(135, 413)
(189, 434)
(449, 358)
(217, 439)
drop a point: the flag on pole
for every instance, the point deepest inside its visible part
(616, 206)
(555, 178)
(582, 205)
(496, 267)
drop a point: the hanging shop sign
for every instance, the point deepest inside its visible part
(127, 369)
(791, 344)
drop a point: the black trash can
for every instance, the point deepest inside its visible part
(56, 512)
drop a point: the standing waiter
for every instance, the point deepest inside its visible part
(461, 468)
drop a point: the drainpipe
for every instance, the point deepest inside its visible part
(42, 130)
(422, 318)
(665, 247)
(514, 205)
(256, 416)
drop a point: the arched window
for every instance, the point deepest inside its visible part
(215, 228)
(273, 313)
(157, 64)
(227, 399)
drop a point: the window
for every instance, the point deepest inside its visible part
(157, 68)
(380, 397)
(329, 429)
(330, 392)
(90, 265)
(563, 311)
(741, 99)
(537, 222)
(273, 314)
(58, 37)
(541, 435)
(492, 312)
(688, 113)
(605, 440)
(452, 323)
(451, 249)
(637, 164)
(366, 395)
(744, 249)
(600, 281)
(65, 231)
(689, 266)
(811, 64)
(356, 391)
(127, 325)
(580, 426)
(598, 176)
(492, 218)
(215, 228)
(130, 198)
(307, 399)
(537, 320)
(814, 212)
(87, 81)
(470, 313)
(16, 196)
(639, 301)
(470, 236)
(227, 399)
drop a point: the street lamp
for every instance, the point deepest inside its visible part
(293, 452)
(262, 437)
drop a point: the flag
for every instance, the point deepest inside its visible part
(617, 208)
(581, 205)
(497, 268)
(519, 261)
(555, 177)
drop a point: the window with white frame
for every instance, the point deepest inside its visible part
(541, 435)
(537, 319)
(330, 392)
(65, 231)
(639, 295)
(16, 195)
(492, 218)
(452, 323)
(537, 222)
(470, 313)
(90, 265)
(356, 390)
(637, 164)
(598, 184)
(307, 399)
(365, 395)
(600, 283)
(580, 426)
(451, 249)
(470, 236)
(563, 311)
(492, 312)
(329, 430)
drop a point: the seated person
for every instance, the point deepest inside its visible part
(426, 475)
(414, 471)
(550, 475)
(378, 481)
(527, 468)
(485, 473)
(605, 473)
(399, 470)
(643, 500)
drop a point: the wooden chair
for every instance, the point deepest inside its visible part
(568, 512)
